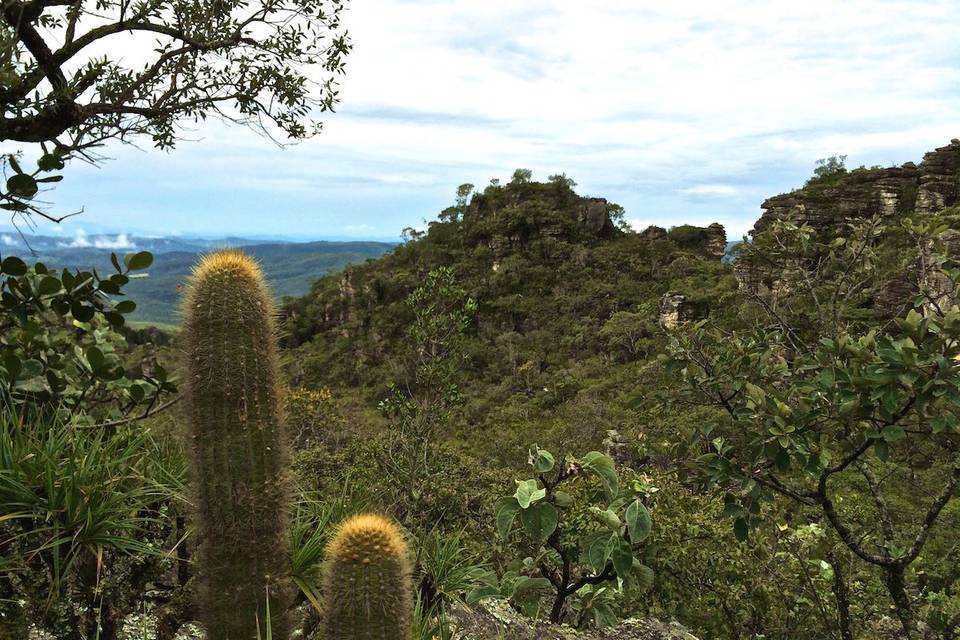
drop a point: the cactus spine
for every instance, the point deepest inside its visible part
(238, 448)
(367, 582)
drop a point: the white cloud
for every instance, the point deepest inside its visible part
(81, 241)
(662, 107)
(8, 241)
(711, 191)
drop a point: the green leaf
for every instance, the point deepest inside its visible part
(603, 615)
(740, 529)
(543, 460)
(81, 312)
(540, 520)
(527, 583)
(606, 517)
(881, 449)
(37, 384)
(125, 306)
(506, 511)
(138, 261)
(645, 576)
(115, 319)
(622, 557)
(95, 358)
(476, 595)
(22, 185)
(48, 285)
(13, 366)
(31, 368)
(599, 549)
(639, 522)
(604, 468)
(14, 266)
(527, 493)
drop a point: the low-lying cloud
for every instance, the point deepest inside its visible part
(82, 241)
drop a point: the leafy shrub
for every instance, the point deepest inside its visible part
(59, 349)
(312, 417)
(546, 512)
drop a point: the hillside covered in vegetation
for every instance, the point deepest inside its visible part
(572, 422)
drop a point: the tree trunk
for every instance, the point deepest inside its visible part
(842, 596)
(556, 613)
(896, 585)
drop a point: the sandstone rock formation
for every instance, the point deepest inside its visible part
(829, 204)
(864, 193)
(676, 309)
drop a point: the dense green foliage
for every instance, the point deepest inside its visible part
(59, 349)
(562, 352)
(815, 390)
(778, 463)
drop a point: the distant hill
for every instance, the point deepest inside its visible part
(291, 267)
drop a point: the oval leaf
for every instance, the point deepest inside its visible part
(639, 522)
(603, 466)
(506, 510)
(138, 261)
(540, 520)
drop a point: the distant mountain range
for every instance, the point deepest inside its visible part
(290, 267)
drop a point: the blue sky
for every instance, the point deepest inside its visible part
(683, 112)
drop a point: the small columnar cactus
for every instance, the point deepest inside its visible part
(239, 459)
(367, 582)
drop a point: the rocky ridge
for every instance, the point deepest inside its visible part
(827, 204)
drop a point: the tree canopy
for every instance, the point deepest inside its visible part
(75, 74)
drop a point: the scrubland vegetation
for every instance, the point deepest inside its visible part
(782, 465)
(525, 413)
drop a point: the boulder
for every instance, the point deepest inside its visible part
(494, 619)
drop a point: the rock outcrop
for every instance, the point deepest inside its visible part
(676, 309)
(828, 204)
(709, 242)
(715, 241)
(494, 619)
(594, 215)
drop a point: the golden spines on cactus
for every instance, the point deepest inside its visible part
(238, 448)
(368, 587)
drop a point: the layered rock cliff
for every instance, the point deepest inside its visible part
(830, 202)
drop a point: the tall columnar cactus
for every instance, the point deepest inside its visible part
(239, 455)
(367, 582)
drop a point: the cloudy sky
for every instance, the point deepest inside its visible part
(683, 112)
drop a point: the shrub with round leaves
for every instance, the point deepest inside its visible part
(604, 551)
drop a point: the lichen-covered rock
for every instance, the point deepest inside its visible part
(676, 309)
(595, 216)
(495, 620)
